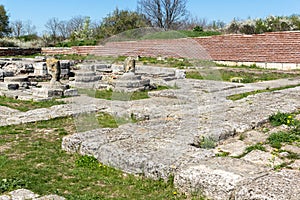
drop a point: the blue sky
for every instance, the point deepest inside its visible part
(39, 11)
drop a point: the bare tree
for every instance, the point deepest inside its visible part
(193, 21)
(163, 13)
(17, 28)
(52, 26)
(29, 28)
(21, 28)
(76, 24)
(63, 29)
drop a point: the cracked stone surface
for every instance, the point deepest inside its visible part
(161, 146)
(177, 120)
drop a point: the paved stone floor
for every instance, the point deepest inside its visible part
(164, 144)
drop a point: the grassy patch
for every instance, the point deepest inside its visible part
(117, 96)
(90, 121)
(36, 162)
(121, 96)
(199, 33)
(228, 75)
(27, 105)
(281, 118)
(276, 139)
(77, 43)
(178, 34)
(248, 149)
(166, 62)
(246, 94)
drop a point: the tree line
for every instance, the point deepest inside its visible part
(163, 14)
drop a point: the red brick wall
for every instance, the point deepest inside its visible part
(279, 47)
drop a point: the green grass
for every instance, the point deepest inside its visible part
(34, 160)
(26, 105)
(248, 149)
(77, 43)
(276, 139)
(167, 62)
(178, 34)
(188, 33)
(236, 97)
(280, 118)
(121, 96)
(227, 75)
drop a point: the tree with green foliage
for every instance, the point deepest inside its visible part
(269, 24)
(120, 21)
(4, 22)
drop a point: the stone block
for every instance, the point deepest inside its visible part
(9, 86)
(47, 92)
(261, 65)
(289, 66)
(216, 178)
(40, 69)
(275, 185)
(274, 66)
(23, 194)
(71, 93)
(180, 74)
(87, 78)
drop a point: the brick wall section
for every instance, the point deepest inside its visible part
(278, 47)
(13, 51)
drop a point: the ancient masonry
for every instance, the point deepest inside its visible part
(172, 124)
(278, 50)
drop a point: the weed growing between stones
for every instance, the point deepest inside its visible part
(283, 118)
(206, 143)
(257, 146)
(290, 136)
(236, 97)
(276, 139)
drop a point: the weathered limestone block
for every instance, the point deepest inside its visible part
(54, 68)
(70, 93)
(281, 185)
(216, 178)
(129, 82)
(129, 65)
(47, 92)
(263, 158)
(40, 69)
(23, 194)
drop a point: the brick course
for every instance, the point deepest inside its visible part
(277, 47)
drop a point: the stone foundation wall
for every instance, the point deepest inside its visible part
(15, 51)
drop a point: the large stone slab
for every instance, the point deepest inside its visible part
(272, 186)
(216, 178)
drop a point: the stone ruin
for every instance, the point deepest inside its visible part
(43, 78)
(128, 77)
(164, 144)
(56, 88)
(37, 78)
